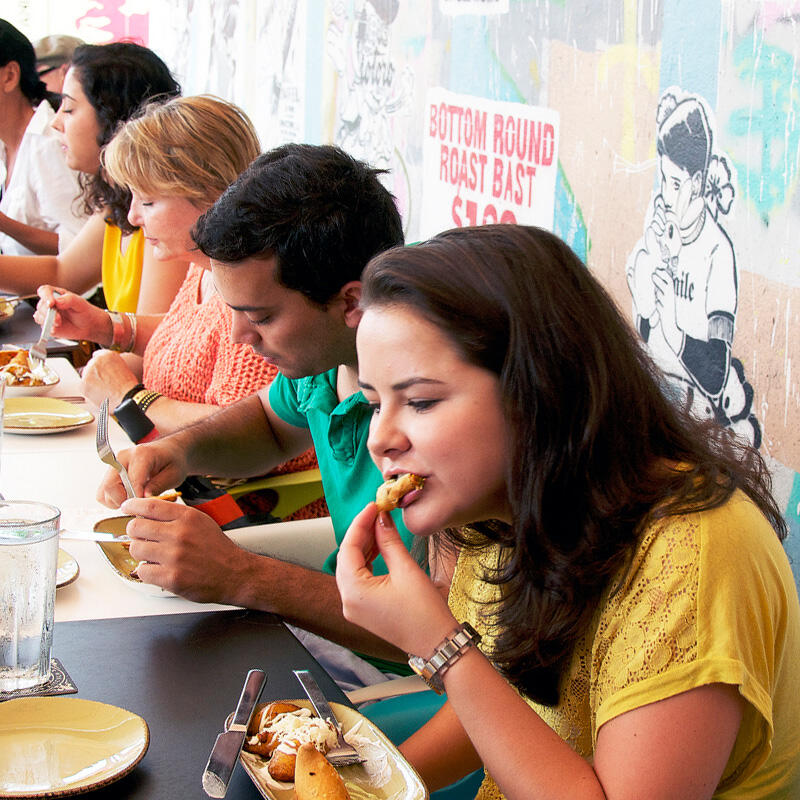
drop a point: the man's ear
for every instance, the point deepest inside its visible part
(9, 76)
(350, 296)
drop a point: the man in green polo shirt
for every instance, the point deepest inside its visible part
(287, 242)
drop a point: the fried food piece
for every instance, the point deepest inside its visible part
(17, 370)
(284, 757)
(263, 742)
(392, 491)
(279, 729)
(315, 778)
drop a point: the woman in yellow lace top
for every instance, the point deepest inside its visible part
(639, 620)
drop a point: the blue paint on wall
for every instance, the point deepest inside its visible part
(690, 47)
(474, 65)
(568, 223)
(792, 516)
(769, 124)
(470, 64)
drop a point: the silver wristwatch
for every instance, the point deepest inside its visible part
(444, 656)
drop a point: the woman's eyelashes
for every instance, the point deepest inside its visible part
(423, 405)
(420, 406)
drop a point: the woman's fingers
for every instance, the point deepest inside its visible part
(359, 548)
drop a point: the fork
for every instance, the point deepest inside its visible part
(38, 353)
(106, 453)
(344, 754)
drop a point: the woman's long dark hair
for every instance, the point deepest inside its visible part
(117, 78)
(596, 450)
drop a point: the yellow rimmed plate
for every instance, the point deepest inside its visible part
(36, 415)
(120, 559)
(61, 746)
(386, 775)
(67, 569)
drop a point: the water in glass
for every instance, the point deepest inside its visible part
(28, 561)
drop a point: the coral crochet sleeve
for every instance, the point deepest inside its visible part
(192, 357)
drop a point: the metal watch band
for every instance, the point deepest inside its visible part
(445, 655)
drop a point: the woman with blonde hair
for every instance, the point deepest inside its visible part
(176, 158)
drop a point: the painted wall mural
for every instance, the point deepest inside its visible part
(704, 254)
(682, 274)
(718, 300)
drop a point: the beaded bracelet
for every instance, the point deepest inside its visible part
(132, 391)
(145, 398)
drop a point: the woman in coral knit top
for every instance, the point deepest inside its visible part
(177, 158)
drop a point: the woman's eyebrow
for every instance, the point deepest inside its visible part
(399, 387)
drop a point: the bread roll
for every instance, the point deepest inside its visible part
(315, 778)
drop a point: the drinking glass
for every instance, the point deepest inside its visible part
(28, 560)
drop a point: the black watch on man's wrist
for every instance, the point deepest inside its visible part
(133, 420)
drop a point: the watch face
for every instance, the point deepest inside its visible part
(423, 669)
(417, 663)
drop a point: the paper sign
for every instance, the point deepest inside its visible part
(486, 161)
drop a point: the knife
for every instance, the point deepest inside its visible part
(225, 752)
(92, 536)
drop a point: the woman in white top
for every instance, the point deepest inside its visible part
(39, 214)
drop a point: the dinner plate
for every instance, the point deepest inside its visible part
(121, 561)
(67, 569)
(385, 775)
(61, 746)
(36, 415)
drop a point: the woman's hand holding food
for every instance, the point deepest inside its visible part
(152, 468)
(107, 375)
(403, 607)
(76, 317)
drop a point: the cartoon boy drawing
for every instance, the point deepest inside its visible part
(373, 89)
(682, 273)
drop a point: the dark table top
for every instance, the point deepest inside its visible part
(183, 674)
(21, 328)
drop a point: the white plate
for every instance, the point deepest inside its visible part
(61, 746)
(394, 778)
(17, 390)
(67, 569)
(38, 415)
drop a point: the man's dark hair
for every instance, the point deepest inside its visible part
(320, 212)
(14, 46)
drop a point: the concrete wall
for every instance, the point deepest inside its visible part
(454, 98)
